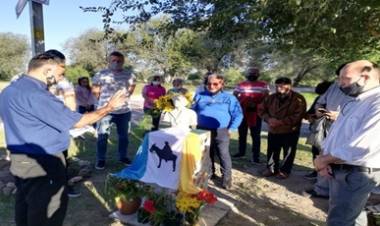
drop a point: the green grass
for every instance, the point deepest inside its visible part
(309, 97)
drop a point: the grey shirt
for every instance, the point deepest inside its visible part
(333, 100)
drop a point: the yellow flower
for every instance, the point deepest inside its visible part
(186, 202)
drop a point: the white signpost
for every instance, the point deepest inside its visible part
(36, 22)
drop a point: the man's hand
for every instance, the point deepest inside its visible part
(326, 172)
(320, 163)
(332, 115)
(117, 100)
(274, 122)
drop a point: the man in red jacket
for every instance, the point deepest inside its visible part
(250, 93)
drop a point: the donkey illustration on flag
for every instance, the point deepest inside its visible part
(165, 153)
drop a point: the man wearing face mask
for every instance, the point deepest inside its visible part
(283, 111)
(220, 113)
(250, 93)
(105, 84)
(37, 128)
(328, 106)
(351, 153)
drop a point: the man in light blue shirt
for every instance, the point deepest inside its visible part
(351, 156)
(220, 113)
(37, 128)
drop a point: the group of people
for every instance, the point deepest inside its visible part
(37, 125)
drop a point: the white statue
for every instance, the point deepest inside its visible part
(180, 116)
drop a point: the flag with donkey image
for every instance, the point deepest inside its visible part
(164, 157)
(172, 158)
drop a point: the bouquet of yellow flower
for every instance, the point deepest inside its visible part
(190, 204)
(165, 103)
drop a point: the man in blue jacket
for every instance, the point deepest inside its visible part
(220, 113)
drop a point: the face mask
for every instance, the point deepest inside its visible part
(115, 66)
(252, 78)
(352, 90)
(156, 83)
(50, 80)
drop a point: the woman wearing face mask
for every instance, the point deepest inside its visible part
(150, 93)
(177, 87)
(84, 97)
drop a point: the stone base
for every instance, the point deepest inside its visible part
(210, 215)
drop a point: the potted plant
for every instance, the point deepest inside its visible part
(125, 194)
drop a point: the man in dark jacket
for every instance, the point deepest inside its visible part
(283, 111)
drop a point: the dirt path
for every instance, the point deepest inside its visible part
(270, 201)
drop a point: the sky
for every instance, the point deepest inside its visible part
(63, 19)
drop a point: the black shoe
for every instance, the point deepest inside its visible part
(126, 161)
(311, 176)
(313, 194)
(213, 177)
(72, 192)
(257, 161)
(238, 155)
(100, 165)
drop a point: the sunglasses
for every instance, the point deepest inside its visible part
(213, 83)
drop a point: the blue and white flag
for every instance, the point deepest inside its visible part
(158, 158)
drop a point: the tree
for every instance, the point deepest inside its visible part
(340, 30)
(89, 50)
(171, 55)
(14, 50)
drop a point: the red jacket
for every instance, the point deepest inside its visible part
(250, 95)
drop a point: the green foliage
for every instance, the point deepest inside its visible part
(89, 50)
(13, 54)
(232, 77)
(194, 77)
(72, 73)
(334, 31)
(128, 189)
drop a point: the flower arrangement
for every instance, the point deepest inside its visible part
(164, 103)
(170, 209)
(190, 205)
(125, 194)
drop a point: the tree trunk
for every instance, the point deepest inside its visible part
(302, 73)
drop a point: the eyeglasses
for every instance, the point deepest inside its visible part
(213, 83)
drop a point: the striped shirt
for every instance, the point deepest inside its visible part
(110, 82)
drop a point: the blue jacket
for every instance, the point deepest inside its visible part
(221, 110)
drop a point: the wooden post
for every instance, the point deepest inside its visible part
(37, 27)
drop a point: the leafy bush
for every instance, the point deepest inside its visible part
(232, 77)
(74, 72)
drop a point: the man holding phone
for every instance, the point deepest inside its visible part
(329, 106)
(351, 156)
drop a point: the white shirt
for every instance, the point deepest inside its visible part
(355, 136)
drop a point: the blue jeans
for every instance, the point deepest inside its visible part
(122, 122)
(349, 191)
